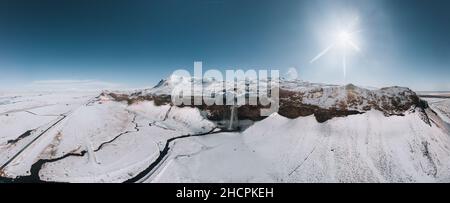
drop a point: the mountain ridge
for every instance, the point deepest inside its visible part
(296, 98)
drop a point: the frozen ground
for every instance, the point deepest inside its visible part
(85, 138)
(80, 137)
(441, 106)
(26, 116)
(360, 148)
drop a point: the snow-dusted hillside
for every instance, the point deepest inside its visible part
(359, 148)
(321, 133)
(296, 98)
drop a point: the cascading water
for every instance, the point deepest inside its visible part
(233, 118)
(232, 125)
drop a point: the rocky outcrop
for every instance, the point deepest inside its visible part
(337, 101)
(299, 99)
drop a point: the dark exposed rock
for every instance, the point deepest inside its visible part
(121, 97)
(323, 115)
(323, 102)
(291, 106)
(134, 98)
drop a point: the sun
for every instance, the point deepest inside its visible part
(343, 40)
(343, 37)
(346, 39)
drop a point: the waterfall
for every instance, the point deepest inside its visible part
(232, 117)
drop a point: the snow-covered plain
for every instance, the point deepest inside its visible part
(26, 116)
(116, 140)
(441, 107)
(83, 137)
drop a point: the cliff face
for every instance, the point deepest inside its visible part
(327, 102)
(296, 99)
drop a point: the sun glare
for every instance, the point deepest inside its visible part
(343, 41)
(343, 37)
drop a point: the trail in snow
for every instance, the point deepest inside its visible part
(30, 143)
(136, 129)
(146, 173)
(37, 166)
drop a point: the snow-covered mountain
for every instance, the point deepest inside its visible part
(320, 133)
(296, 98)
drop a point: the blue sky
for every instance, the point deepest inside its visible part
(136, 43)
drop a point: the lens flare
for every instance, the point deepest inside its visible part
(344, 39)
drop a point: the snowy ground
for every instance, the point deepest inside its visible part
(85, 138)
(117, 141)
(25, 117)
(277, 149)
(441, 106)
